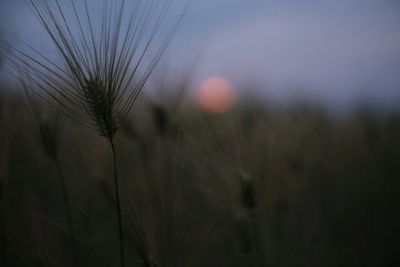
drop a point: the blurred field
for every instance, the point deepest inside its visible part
(250, 187)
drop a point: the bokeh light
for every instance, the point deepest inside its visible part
(216, 95)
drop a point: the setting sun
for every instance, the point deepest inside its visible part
(216, 94)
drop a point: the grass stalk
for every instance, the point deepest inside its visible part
(118, 202)
(101, 70)
(48, 129)
(67, 209)
(3, 169)
(258, 255)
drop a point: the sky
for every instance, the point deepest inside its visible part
(339, 52)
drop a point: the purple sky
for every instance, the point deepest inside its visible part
(336, 51)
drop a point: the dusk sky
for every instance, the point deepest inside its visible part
(335, 51)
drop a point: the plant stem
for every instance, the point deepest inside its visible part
(256, 243)
(3, 244)
(118, 200)
(67, 206)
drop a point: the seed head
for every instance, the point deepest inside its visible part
(161, 119)
(99, 107)
(248, 192)
(48, 139)
(104, 63)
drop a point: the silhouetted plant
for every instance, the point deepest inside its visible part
(48, 126)
(103, 69)
(4, 146)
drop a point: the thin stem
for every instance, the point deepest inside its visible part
(67, 206)
(256, 243)
(118, 200)
(3, 244)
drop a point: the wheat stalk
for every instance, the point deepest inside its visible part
(48, 129)
(103, 69)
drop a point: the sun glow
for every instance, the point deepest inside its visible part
(216, 95)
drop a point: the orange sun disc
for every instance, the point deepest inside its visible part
(216, 95)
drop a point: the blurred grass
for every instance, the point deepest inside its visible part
(326, 188)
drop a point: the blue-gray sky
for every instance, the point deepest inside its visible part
(337, 51)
